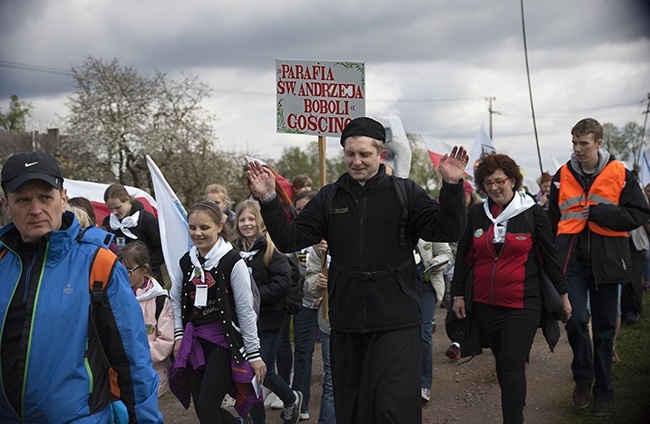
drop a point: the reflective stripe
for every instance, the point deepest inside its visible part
(572, 202)
(572, 215)
(599, 199)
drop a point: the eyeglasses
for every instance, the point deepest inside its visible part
(499, 182)
(132, 270)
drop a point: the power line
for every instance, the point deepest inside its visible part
(58, 71)
(460, 99)
(35, 68)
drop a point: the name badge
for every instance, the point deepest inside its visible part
(499, 234)
(201, 297)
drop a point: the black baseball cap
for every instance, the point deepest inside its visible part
(22, 167)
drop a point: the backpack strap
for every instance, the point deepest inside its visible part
(101, 269)
(160, 303)
(530, 221)
(400, 192)
(527, 215)
(227, 263)
(100, 273)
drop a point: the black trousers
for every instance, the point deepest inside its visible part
(510, 333)
(376, 376)
(210, 384)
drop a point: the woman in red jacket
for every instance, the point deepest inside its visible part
(499, 251)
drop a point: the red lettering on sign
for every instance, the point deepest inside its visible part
(314, 72)
(322, 124)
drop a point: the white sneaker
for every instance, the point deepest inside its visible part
(426, 394)
(277, 403)
(228, 402)
(304, 416)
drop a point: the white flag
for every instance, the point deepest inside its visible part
(556, 164)
(172, 221)
(644, 174)
(482, 144)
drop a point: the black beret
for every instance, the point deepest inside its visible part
(364, 127)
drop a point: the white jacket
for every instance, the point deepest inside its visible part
(434, 253)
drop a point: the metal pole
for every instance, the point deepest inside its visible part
(645, 122)
(489, 99)
(530, 90)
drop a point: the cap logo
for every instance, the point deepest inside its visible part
(27, 165)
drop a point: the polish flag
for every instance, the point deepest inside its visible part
(436, 148)
(95, 193)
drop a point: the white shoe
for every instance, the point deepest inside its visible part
(227, 402)
(304, 416)
(277, 403)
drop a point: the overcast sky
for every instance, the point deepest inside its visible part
(433, 62)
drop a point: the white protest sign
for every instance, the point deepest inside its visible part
(318, 98)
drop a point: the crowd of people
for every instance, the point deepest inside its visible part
(87, 303)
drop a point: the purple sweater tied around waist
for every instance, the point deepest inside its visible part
(190, 354)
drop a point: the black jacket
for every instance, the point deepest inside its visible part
(272, 282)
(362, 229)
(509, 277)
(607, 257)
(147, 232)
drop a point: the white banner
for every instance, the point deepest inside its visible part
(172, 221)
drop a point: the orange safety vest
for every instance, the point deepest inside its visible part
(606, 188)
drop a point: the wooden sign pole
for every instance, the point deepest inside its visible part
(322, 161)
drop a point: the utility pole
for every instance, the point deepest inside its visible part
(492, 111)
(645, 122)
(530, 89)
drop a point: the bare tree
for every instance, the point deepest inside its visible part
(121, 116)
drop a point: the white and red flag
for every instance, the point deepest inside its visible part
(95, 193)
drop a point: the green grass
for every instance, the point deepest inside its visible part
(631, 377)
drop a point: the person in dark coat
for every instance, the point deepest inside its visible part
(129, 222)
(373, 289)
(595, 202)
(272, 274)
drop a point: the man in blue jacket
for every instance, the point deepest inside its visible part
(57, 343)
(372, 222)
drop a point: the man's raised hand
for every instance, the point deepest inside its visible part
(452, 165)
(262, 180)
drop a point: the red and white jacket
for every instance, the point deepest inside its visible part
(509, 276)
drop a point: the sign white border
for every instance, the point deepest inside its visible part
(318, 97)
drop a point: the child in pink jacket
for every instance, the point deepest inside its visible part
(156, 309)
